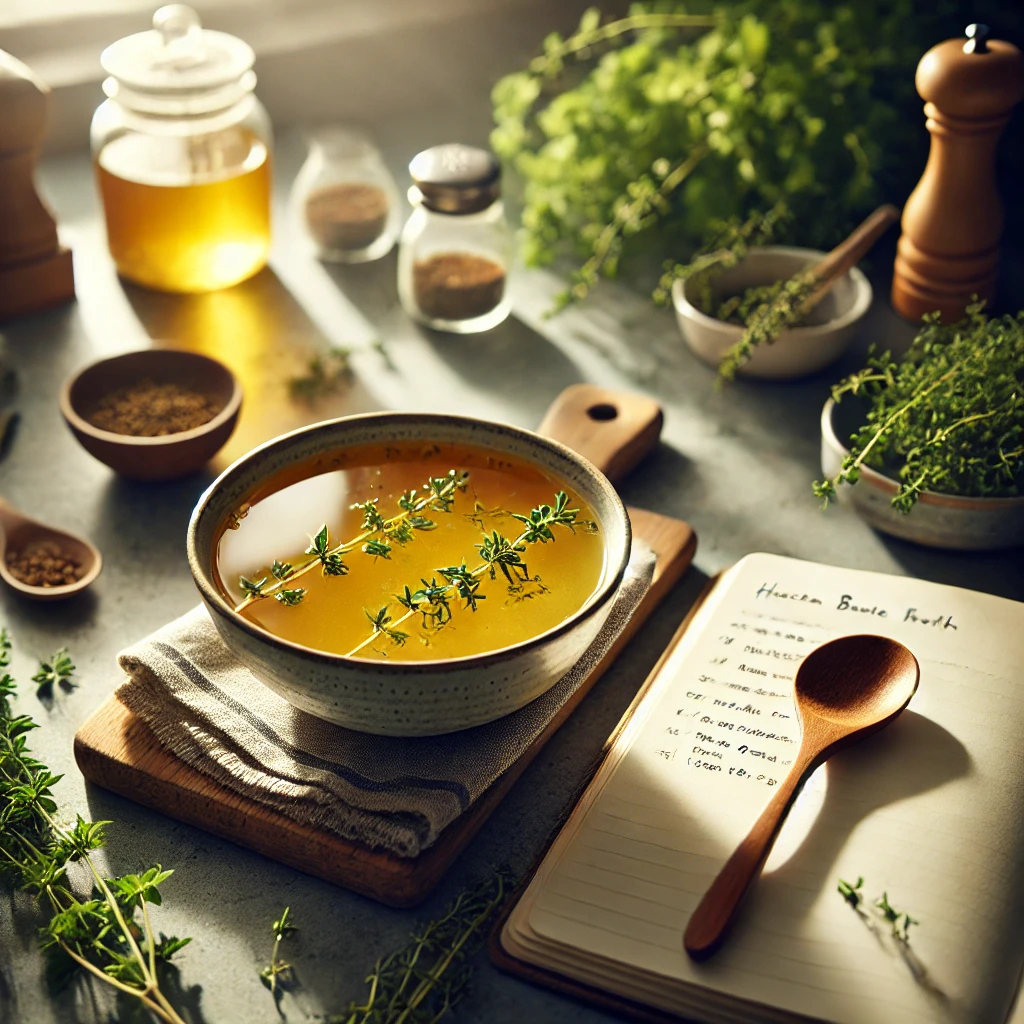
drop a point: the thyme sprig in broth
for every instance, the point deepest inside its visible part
(432, 601)
(377, 535)
(498, 554)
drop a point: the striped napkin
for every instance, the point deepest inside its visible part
(389, 793)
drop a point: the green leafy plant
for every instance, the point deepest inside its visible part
(106, 931)
(421, 983)
(685, 117)
(948, 417)
(58, 670)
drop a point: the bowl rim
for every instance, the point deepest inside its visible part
(863, 295)
(82, 425)
(215, 601)
(890, 486)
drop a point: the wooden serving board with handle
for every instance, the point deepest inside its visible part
(116, 750)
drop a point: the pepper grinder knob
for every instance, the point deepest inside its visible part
(949, 249)
(977, 39)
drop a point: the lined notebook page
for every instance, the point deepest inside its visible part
(930, 810)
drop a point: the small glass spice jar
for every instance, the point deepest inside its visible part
(344, 200)
(456, 246)
(182, 153)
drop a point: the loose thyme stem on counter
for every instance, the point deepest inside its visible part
(439, 496)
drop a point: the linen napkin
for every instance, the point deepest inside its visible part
(390, 793)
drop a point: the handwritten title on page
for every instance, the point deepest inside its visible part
(848, 603)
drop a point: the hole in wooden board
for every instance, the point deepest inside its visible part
(603, 412)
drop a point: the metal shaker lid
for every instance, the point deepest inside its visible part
(456, 179)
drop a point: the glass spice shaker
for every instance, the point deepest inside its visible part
(344, 199)
(456, 246)
(182, 153)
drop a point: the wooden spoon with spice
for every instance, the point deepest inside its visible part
(41, 562)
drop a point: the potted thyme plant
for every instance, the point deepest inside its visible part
(931, 447)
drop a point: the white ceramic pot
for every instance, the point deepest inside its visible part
(797, 351)
(406, 698)
(936, 520)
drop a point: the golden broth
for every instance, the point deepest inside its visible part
(335, 612)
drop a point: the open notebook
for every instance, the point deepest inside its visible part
(930, 811)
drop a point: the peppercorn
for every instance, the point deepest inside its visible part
(45, 564)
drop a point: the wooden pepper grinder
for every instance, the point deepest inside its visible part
(35, 269)
(949, 249)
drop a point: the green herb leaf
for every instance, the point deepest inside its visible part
(58, 670)
(253, 588)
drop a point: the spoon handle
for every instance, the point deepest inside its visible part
(715, 912)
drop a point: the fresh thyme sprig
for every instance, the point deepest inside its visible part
(768, 314)
(727, 243)
(58, 670)
(948, 417)
(324, 375)
(422, 982)
(765, 311)
(438, 494)
(899, 921)
(498, 554)
(278, 973)
(108, 934)
(853, 894)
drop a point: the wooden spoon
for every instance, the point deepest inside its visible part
(845, 690)
(20, 533)
(847, 253)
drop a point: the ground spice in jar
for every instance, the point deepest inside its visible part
(147, 409)
(457, 285)
(347, 217)
(44, 565)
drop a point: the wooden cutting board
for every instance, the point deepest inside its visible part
(118, 751)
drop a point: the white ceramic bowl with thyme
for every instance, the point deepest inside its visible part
(408, 698)
(798, 351)
(936, 520)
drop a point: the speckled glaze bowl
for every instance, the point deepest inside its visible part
(423, 698)
(937, 520)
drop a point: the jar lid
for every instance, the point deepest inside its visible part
(178, 66)
(456, 179)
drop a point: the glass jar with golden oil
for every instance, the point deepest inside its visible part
(182, 153)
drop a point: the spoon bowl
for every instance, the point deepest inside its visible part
(854, 680)
(21, 534)
(844, 690)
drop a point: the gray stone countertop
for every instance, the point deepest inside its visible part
(737, 464)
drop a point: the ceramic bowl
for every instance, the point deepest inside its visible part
(152, 458)
(406, 698)
(797, 351)
(937, 520)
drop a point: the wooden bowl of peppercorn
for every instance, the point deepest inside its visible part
(157, 414)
